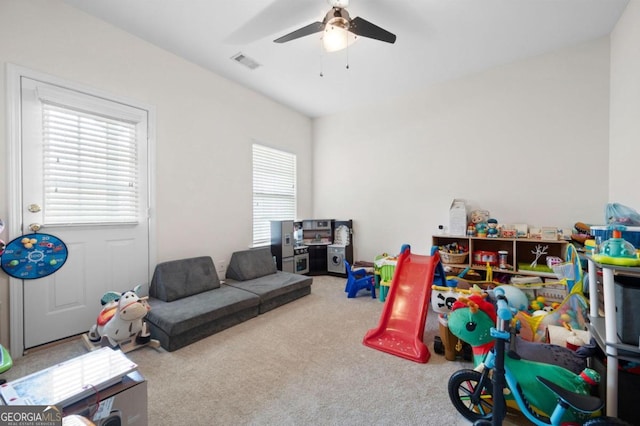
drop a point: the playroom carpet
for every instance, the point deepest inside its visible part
(301, 364)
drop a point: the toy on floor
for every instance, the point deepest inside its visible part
(448, 344)
(400, 330)
(572, 311)
(517, 298)
(540, 306)
(545, 394)
(534, 351)
(385, 266)
(357, 280)
(442, 299)
(121, 323)
(5, 362)
(472, 319)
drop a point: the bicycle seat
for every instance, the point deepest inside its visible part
(584, 403)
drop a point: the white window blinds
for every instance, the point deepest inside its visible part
(89, 167)
(274, 190)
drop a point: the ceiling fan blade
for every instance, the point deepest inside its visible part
(313, 28)
(276, 15)
(364, 28)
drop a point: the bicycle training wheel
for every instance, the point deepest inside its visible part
(471, 398)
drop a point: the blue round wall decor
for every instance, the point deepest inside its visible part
(33, 256)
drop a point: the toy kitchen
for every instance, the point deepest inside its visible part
(319, 246)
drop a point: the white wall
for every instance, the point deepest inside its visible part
(625, 109)
(527, 141)
(205, 126)
(518, 140)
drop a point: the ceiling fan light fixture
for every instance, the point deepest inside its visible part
(336, 35)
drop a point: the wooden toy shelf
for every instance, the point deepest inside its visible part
(521, 253)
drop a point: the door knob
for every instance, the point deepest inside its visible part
(35, 227)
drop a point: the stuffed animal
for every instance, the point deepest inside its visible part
(471, 319)
(121, 320)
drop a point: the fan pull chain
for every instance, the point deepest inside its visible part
(347, 67)
(321, 60)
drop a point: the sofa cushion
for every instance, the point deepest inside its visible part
(250, 264)
(177, 279)
(275, 289)
(190, 313)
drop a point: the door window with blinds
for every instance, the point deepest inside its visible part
(274, 190)
(89, 158)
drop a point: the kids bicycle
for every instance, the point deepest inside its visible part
(480, 395)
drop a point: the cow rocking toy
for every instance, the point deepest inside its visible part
(120, 323)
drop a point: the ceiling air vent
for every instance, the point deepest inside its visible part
(245, 60)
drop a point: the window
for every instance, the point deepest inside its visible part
(274, 190)
(90, 157)
(90, 165)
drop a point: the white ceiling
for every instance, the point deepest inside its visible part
(437, 40)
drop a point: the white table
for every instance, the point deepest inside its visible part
(605, 330)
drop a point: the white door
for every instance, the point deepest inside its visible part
(85, 181)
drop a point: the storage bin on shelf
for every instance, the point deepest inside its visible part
(482, 257)
(453, 258)
(627, 291)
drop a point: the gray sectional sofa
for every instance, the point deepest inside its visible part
(254, 271)
(188, 301)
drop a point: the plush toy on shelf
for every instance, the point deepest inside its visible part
(492, 228)
(479, 220)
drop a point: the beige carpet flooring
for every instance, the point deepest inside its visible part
(301, 364)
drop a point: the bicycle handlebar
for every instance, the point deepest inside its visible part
(503, 311)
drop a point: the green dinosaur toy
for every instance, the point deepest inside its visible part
(471, 319)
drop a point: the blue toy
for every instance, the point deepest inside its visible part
(33, 256)
(492, 228)
(617, 251)
(359, 280)
(517, 298)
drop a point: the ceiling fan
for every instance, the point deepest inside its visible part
(339, 29)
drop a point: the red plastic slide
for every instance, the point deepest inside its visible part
(401, 328)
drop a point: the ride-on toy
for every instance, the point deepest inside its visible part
(5, 362)
(121, 323)
(479, 395)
